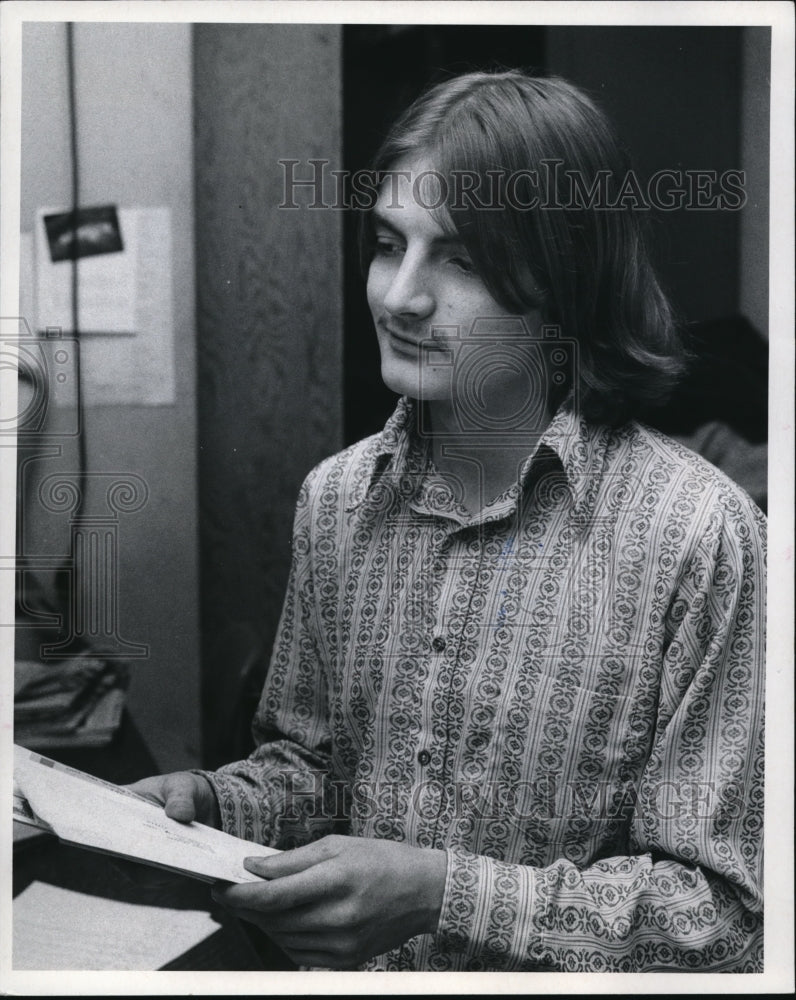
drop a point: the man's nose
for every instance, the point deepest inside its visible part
(410, 293)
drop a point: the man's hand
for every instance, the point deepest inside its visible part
(341, 900)
(184, 796)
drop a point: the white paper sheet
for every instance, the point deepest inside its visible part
(57, 928)
(92, 813)
(107, 284)
(125, 310)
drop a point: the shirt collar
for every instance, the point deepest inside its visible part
(390, 447)
(580, 448)
(576, 445)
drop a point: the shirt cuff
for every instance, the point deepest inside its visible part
(243, 812)
(488, 912)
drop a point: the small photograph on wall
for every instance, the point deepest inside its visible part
(83, 233)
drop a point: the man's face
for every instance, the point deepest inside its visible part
(422, 284)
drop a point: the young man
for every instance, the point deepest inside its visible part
(513, 718)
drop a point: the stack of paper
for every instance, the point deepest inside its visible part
(56, 928)
(88, 812)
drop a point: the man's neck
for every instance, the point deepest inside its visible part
(478, 464)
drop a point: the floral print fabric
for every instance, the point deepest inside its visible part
(563, 691)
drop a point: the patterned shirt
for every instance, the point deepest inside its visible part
(563, 691)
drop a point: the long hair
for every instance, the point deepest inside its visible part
(554, 246)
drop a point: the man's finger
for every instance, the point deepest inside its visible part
(285, 893)
(301, 920)
(285, 926)
(290, 862)
(301, 949)
(148, 788)
(316, 959)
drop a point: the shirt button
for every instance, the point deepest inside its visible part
(424, 757)
(438, 644)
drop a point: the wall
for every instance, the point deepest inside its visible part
(755, 147)
(134, 106)
(269, 336)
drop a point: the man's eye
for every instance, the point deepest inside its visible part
(464, 264)
(387, 248)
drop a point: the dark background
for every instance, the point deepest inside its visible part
(674, 94)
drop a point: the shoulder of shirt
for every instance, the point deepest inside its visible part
(347, 472)
(721, 493)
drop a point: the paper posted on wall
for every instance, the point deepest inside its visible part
(87, 812)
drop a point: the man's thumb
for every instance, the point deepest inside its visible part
(178, 793)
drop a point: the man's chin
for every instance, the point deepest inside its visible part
(411, 384)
